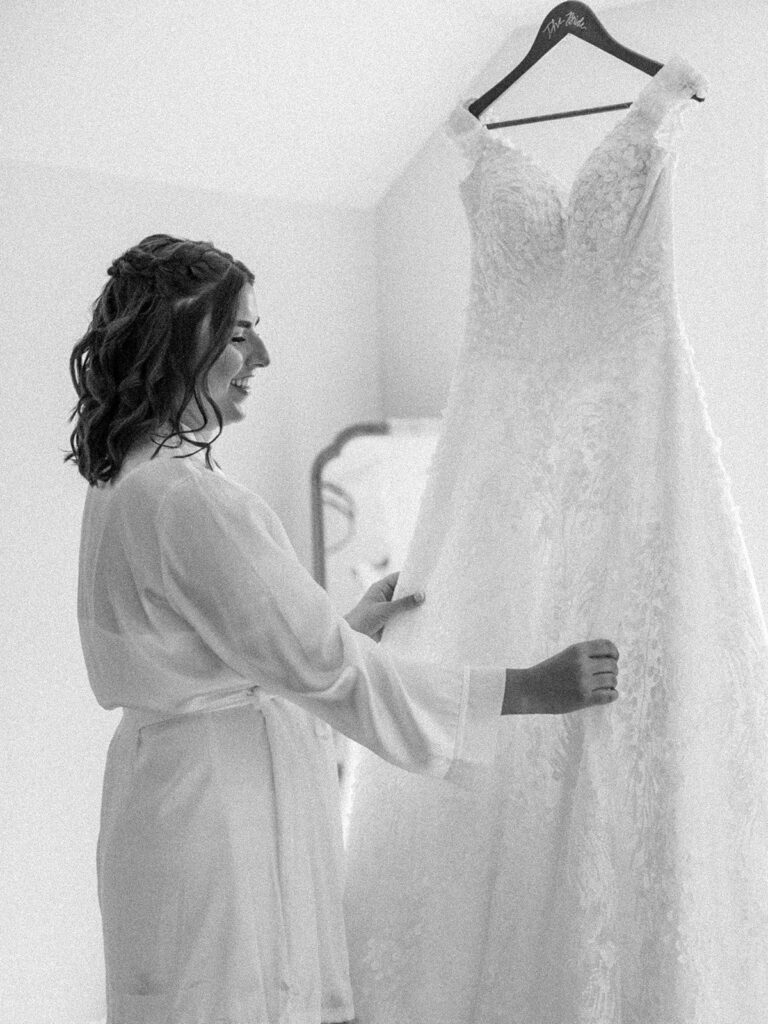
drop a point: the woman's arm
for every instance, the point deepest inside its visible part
(228, 570)
(579, 677)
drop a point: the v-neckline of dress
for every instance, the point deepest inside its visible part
(664, 77)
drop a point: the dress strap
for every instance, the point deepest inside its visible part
(467, 132)
(670, 90)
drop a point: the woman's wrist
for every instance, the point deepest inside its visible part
(515, 700)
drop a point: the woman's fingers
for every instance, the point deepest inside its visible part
(603, 649)
(384, 610)
(604, 666)
(385, 587)
(403, 603)
(604, 671)
(604, 696)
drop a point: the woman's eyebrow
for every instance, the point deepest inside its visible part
(247, 323)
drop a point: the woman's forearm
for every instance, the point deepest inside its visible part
(515, 696)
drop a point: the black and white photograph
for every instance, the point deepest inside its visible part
(384, 553)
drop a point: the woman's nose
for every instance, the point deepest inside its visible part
(259, 355)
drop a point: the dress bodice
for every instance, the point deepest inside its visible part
(541, 252)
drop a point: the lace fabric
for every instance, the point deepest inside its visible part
(613, 867)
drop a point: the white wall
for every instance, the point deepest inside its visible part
(60, 230)
(720, 198)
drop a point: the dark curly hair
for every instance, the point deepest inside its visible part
(142, 348)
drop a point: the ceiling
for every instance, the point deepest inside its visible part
(316, 101)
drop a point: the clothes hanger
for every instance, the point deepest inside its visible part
(570, 18)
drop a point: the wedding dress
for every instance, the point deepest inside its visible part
(612, 867)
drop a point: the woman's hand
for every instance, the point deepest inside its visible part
(376, 607)
(582, 676)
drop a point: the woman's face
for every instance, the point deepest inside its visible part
(244, 352)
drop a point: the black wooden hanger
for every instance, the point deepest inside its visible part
(570, 18)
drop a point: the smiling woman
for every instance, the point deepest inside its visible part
(171, 330)
(219, 855)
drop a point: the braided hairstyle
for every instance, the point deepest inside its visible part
(145, 356)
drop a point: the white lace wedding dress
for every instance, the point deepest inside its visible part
(613, 867)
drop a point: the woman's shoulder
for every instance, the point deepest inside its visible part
(149, 479)
(168, 482)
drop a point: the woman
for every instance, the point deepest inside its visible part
(219, 854)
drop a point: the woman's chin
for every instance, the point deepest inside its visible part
(236, 397)
(234, 411)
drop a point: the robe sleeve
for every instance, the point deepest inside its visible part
(230, 571)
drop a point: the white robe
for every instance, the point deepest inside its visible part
(219, 854)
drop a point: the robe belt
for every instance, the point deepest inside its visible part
(139, 717)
